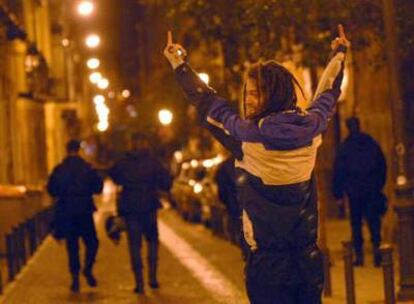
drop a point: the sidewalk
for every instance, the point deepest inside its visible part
(186, 275)
(195, 267)
(368, 279)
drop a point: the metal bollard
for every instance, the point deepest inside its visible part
(30, 232)
(16, 250)
(10, 256)
(37, 230)
(349, 272)
(40, 227)
(19, 251)
(34, 238)
(388, 271)
(40, 219)
(1, 282)
(327, 288)
(22, 244)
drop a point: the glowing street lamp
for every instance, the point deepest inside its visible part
(126, 93)
(103, 83)
(85, 8)
(204, 77)
(198, 188)
(102, 126)
(95, 77)
(165, 117)
(178, 155)
(65, 42)
(92, 41)
(102, 111)
(111, 94)
(93, 63)
(99, 99)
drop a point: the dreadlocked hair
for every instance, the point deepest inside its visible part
(276, 87)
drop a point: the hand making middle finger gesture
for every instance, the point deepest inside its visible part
(341, 40)
(174, 52)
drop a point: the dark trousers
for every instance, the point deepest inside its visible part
(138, 226)
(234, 228)
(81, 227)
(359, 211)
(285, 277)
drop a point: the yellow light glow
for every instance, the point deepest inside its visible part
(165, 117)
(208, 163)
(102, 126)
(102, 111)
(178, 155)
(126, 93)
(218, 159)
(85, 8)
(93, 63)
(198, 188)
(194, 163)
(204, 77)
(95, 77)
(103, 83)
(99, 99)
(92, 41)
(65, 42)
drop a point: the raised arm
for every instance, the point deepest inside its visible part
(214, 112)
(329, 86)
(331, 76)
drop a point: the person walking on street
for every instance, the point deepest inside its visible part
(360, 173)
(141, 176)
(73, 183)
(275, 144)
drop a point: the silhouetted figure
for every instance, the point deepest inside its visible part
(360, 173)
(73, 183)
(141, 176)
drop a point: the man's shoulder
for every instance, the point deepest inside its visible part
(75, 162)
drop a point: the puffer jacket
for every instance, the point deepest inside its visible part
(275, 159)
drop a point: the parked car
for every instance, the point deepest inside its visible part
(194, 189)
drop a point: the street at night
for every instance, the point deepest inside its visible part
(207, 151)
(196, 267)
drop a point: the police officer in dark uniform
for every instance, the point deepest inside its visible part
(141, 176)
(73, 183)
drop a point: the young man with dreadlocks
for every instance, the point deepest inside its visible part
(275, 146)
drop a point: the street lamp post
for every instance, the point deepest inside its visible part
(404, 206)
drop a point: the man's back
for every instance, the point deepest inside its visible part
(360, 165)
(73, 182)
(141, 175)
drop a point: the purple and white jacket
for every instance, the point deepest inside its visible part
(281, 148)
